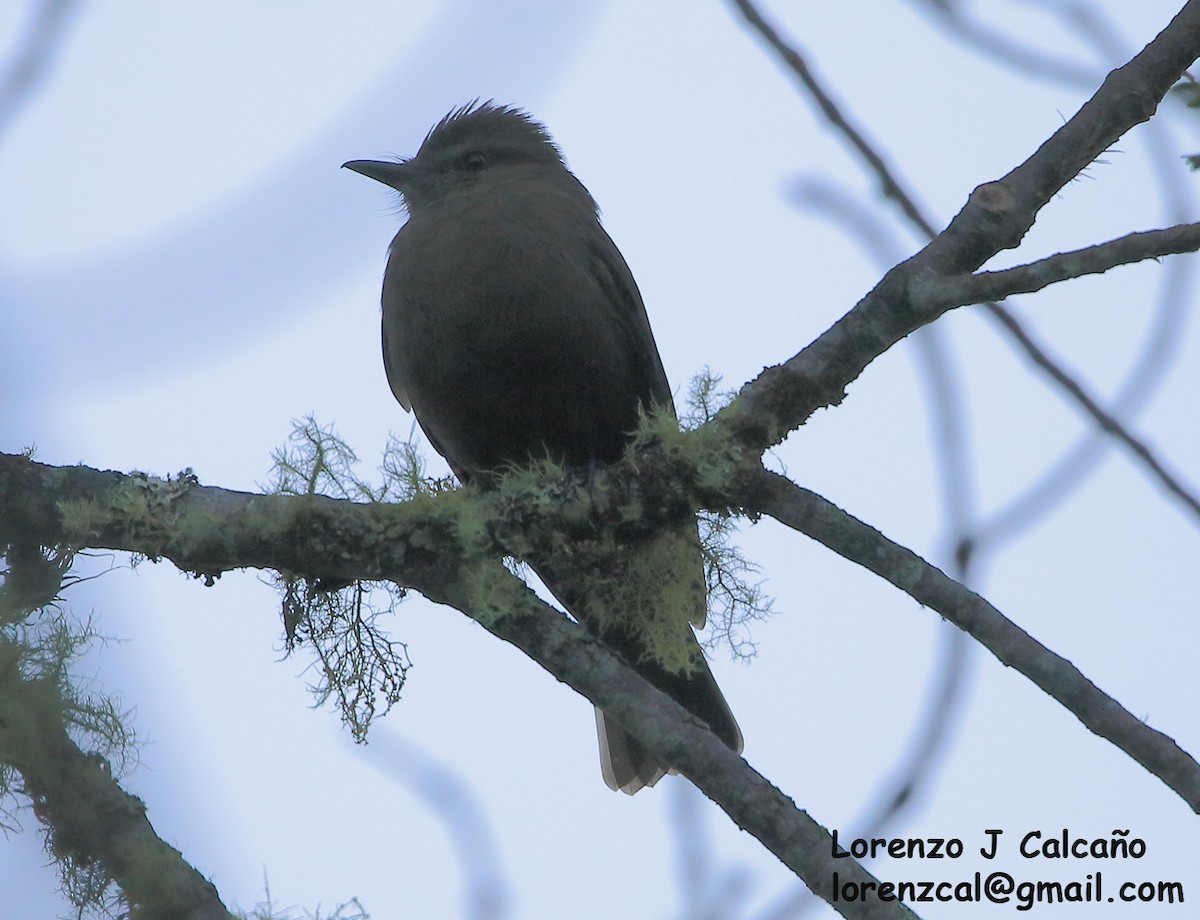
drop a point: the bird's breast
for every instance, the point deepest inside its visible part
(506, 341)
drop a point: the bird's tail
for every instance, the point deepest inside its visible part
(625, 762)
(641, 602)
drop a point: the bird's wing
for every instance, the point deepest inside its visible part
(397, 390)
(621, 292)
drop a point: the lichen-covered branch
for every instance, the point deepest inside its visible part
(443, 548)
(92, 821)
(750, 799)
(434, 545)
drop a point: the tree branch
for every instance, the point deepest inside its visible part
(419, 544)
(753, 803)
(889, 184)
(960, 290)
(91, 818)
(996, 216)
(813, 515)
(1103, 417)
(1090, 260)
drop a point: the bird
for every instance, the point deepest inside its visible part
(514, 330)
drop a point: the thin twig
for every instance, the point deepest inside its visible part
(983, 287)
(892, 189)
(34, 58)
(1081, 397)
(1022, 57)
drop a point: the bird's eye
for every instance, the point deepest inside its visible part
(474, 161)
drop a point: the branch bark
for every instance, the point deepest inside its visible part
(207, 530)
(90, 817)
(1063, 266)
(850, 538)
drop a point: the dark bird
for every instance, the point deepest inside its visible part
(514, 330)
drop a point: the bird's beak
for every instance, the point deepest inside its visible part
(395, 175)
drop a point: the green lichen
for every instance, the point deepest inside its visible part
(146, 508)
(357, 664)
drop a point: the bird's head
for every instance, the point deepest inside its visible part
(479, 143)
